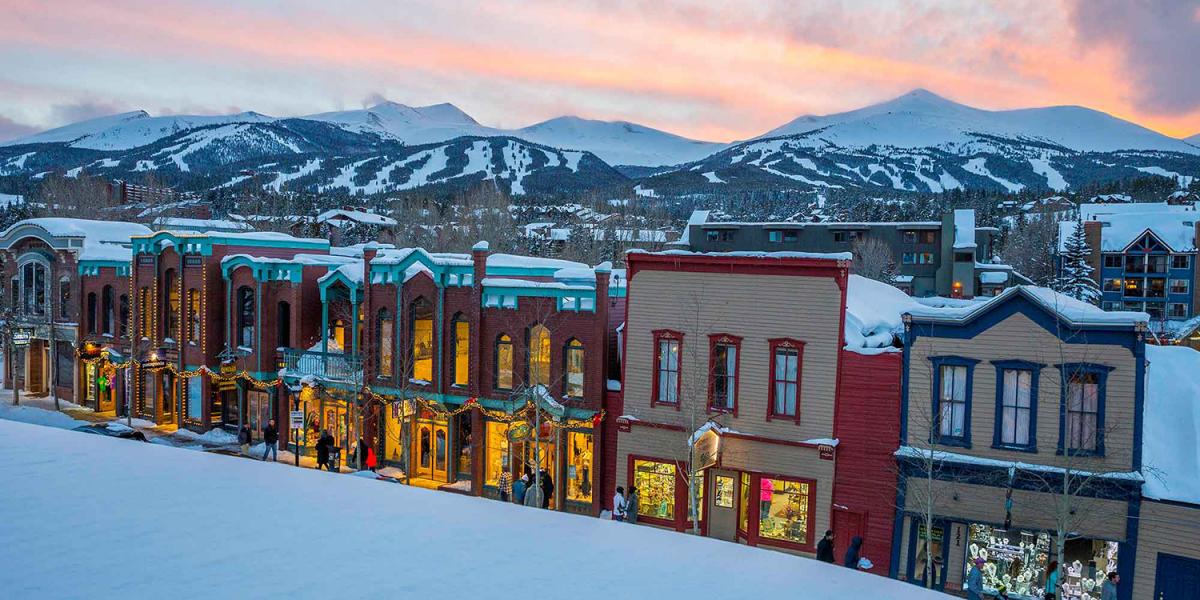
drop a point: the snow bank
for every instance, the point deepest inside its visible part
(302, 533)
(1171, 434)
(873, 313)
(37, 416)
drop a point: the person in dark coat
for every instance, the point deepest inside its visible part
(323, 444)
(852, 553)
(362, 453)
(547, 489)
(825, 548)
(244, 438)
(270, 441)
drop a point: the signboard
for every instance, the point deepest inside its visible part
(296, 419)
(706, 450)
(825, 451)
(153, 363)
(228, 369)
(21, 336)
(519, 432)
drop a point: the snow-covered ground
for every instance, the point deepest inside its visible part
(98, 517)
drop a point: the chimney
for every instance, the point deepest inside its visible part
(1093, 232)
(479, 255)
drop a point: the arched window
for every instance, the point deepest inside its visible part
(193, 316)
(145, 312)
(34, 279)
(91, 312)
(245, 317)
(283, 328)
(385, 327)
(573, 381)
(422, 340)
(462, 350)
(171, 315)
(504, 363)
(108, 310)
(539, 355)
(124, 316)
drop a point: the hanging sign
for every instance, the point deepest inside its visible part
(519, 432)
(21, 336)
(228, 369)
(825, 451)
(706, 450)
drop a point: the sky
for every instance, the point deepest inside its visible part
(718, 71)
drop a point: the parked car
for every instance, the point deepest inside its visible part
(113, 430)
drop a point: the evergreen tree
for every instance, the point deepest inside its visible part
(1075, 272)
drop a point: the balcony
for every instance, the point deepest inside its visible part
(331, 366)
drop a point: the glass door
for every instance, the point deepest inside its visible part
(431, 449)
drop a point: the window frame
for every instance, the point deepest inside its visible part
(385, 352)
(935, 393)
(663, 335)
(1187, 261)
(426, 312)
(503, 339)
(810, 533)
(530, 332)
(1034, 370)
(459, 319)
(245, 305)
(774, 345)
(735, 342)
(679, 509)
(108, 310)
(574, 345)
(1101, 372)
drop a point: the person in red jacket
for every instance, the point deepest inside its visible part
(371, 459)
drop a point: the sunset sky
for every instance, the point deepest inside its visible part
(711, 70)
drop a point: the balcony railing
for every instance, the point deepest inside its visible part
(324, 365)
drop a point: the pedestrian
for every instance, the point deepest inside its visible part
(505, 485)
(1048, 591)
(244, 439)
(372, 462)
(852, 553)
(323, 444)
(975, 580)
(271, 441)
(519, 489)
(1108, 590)
(361, 454)
(547, 488)
(825, 548)
(618, 512)
(631, 505)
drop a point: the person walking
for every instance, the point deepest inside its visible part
(519, 489)
(631, 505)
(1049, 591)
(244, 439)
(1108, 590)
(618, 511)
(975, 580)
(323, 444)
(360, 454)
(271, 441)
(825, 548)
(850, 561)
(372, 462)
(547, 488)
(505, 485)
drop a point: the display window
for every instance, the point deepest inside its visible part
(498, 452)
(395, 416)
(655, 482)
(1016, 560)
(723, 491)
(579, 466)
(744, 504)
(785, 508)
(927, 556)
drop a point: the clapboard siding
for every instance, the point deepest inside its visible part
(1163, 528)
(1019, 338)
(755, 307)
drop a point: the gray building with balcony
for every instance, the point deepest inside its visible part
(950, 257)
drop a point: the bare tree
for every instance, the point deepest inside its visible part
(1030, 246)
(873, 259)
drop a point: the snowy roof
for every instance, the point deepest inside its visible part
(184, 224)
(299, 259)
(530, 262)
(1175, 229)
(101, 240)
(526, 283)
(750, 254)
(964, 228)
(352, 271)
(993, 277)
(1073, 311)
(1090, 212)
(1171, 430)
(873, 313)
(395, 256)
(358, 216)
(697, 217)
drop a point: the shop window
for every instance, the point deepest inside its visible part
(193, 316)
(579, 466)
(1081, 429)
(283, 323)
(245, 317)
(195, 402)
(422, 340)
(462, 352)
(723, 372)
(146, 312)
(723, 491)
(1018, 559)
(149, 393)
(786, 366)
(498, 449)
(384, 328)
(123, 316)
(504, 363)
(538, 366)
(107, 310)
(64, 364)
(574, 369)
(785, 507)
(952, 400)
(655, 483)
(909, 258)
(1016, 410)
(171, 319)
(1112, 284)
(668, 345)
(91, 312)
(744, 503)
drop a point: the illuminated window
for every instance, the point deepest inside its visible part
(422, 340)
(337, 335)
(574, 362)
(145, 310)
(579, 466)
(655, 483)
(497, 452)
(462, 351)
(784, 509)
(504, 363)
(245, 317)
(668, 345)
(723, 491)
(539, 356)
(744, 503)
(193, 316)
(385, 328)
(171, 319)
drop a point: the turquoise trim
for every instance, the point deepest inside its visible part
(262, 271)
(522, 271)
(202, 243)
(336, 276)
(92, 267)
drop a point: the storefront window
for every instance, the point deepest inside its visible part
(655, 482)
(928, 555)
(784, 510)
(699, 482)
(504, 363)
(744, 503)
(462, 352)
(1017, 560)
(497, 451)
(195, 406)
(579, 466)
(539, 355)
(723, 491)
(395, 415)
(422, 340)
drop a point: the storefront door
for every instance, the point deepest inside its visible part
(259, 411)
(721, 510)
(430, 449)
(928, 554)
(35, 375)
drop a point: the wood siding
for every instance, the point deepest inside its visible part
(1163, 528)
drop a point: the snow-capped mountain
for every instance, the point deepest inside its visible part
(618, 142)
(1194, 140)
(408, 124)
(130, 130)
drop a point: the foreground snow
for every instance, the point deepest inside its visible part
(96, 517)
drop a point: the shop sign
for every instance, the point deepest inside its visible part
(825, 451)
(228, 369)
(706, 450)
(154, 363)
(519, 432)
(21, 336)
(296, 419)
